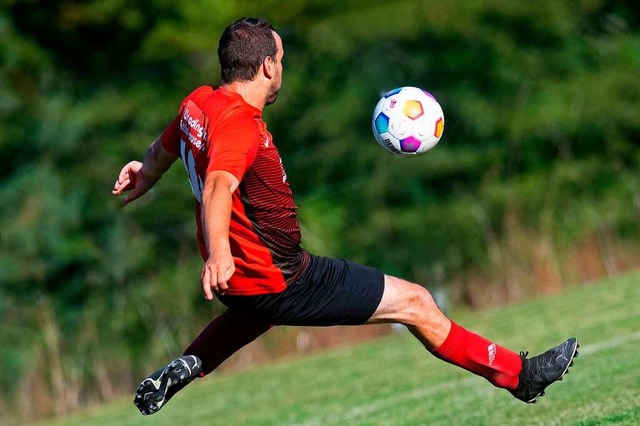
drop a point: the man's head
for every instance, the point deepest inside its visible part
(250, 46)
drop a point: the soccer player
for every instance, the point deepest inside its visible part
(249, 238)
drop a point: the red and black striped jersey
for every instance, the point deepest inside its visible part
(217, 130)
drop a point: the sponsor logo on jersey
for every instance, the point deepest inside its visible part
(193, 127)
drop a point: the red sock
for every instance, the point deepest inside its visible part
(480, 356)
(222, 337)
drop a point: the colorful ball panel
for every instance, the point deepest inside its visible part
(439, 128)
(410, 144)
(413, 109)
(393, 92)
(382, 123)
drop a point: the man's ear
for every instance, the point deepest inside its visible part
(268, 67)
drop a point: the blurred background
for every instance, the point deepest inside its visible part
(534, 186)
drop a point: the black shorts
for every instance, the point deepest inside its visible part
(330, 292)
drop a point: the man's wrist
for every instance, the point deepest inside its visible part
(151, 174)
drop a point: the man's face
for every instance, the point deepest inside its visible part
(276, 83)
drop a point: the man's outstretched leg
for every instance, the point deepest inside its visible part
(224, 336)
(526, 379)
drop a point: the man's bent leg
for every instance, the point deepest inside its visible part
(223, 337)
(412, 305)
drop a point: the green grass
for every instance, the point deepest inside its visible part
(393, 381)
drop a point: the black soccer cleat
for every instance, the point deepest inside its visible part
(154, 391)
(540, 371)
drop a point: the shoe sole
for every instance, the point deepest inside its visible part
(151, 394)
(574, 354)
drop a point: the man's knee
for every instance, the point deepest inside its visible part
(407, 302)
(420, 302)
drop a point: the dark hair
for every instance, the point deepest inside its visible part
(243, 47)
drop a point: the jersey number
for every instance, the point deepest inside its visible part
(190, 166)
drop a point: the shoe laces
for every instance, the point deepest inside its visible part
(524, 377)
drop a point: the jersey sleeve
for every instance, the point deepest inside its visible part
(170, 138)
(234, 144)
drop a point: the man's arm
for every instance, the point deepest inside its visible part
(215, 217)
(141, 176)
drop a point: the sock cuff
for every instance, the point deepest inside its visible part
(450, 346)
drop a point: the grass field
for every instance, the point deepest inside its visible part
(393, 381)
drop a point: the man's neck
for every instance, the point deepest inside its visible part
(250, 91)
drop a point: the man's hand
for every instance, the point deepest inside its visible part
(132, 178)
(140, 177)
(217, 270)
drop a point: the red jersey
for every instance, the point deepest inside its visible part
(217, 130)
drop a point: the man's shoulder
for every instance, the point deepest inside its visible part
(221, 104)
(204, 96)
(200, 94)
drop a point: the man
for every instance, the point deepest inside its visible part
(249, 238)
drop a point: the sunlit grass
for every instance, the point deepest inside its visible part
(393, 381)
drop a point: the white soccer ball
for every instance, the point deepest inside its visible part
(408, 121)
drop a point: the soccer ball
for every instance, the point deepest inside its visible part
(408, 121)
